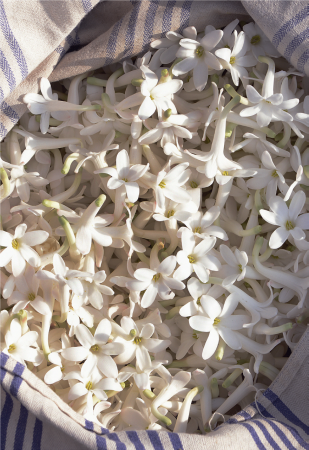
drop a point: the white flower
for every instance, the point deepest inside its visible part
(156, 280)
(218, 321)
(258, 43)
(179, 211)
(137, 344)
(171, 43)
(27, 292)
(236, 264)
(236, 60)
(158, 96)
(91, 384)
(95, 350)
(169, 185)
(287, 219)
(94, 290)
(18, 248)
(194, 258)
(20, 346)
(201, 225)
(125, 176)
(197, 56)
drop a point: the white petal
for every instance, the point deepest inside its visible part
(211, 344)
(278, 237)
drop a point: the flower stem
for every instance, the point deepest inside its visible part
(231, 378)
(214, 387)
(5, 182)
(183, 415)
(231, 91)
(268, 370)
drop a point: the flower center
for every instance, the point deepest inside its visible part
(170, 213)
(137, 340)
(194, 184)
(31, 297)
(232, 60)
(207, 140)
(198, 301)
(225, 173)
(197, 230)
(255, 39)
(275, 174)
(89, 385)
(133, 332)
(195, 336)
(216, 321)
(94, 348)
(192, 259)
(152, 97)
(125, 180)
(156, 277)
(288, 225)
(15, 244)
(199, 51)
(11, 348)
(162, 184)
(240, 268)
(227, 46)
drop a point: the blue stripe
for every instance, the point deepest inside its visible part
(101, 442)
(281, 435)
(13, 44)
(285, 411)
(7, 110)
(6, 69)
(263, 410)
(87, 5)
(88, 425)
(296, 42)
(175, 440)
(37, 435)
(21, 428)
(254, 436)
(112, 42)
(269, 438)
(130, 34)
(119, 445)
(149, 22)
(155, 439)
(167, 16)
(3, 131)
(133, 436)
(244, 415)
(3, 359)
(302, 61)
(5, 418)
(185, 14)
(289, 25)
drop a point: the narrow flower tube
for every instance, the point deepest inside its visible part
(183, 415)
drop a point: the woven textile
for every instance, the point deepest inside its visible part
(59, 39)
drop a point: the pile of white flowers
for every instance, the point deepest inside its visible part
(154, 246)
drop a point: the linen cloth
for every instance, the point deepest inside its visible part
(62, 38)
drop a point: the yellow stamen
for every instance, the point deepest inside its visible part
(31, 297)
(192, 259)
(156, 277)
(162, 184)
(15, 244)
(193, 184)
(11, 348)
(137, 340)
(94, 348)
(170, 213)
(289, 226)
(195, 336)
(216, 321)
(225, 173)
(199, 51)
(197, 230)
(232, 60)
(275, 174)
(255, 39)
(240, 267)
(89, 385)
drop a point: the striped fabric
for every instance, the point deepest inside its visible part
(35, 418)
(62, 38)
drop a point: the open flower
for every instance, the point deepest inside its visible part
(194, 258)
(197, 56)
(288, 220)
(95, 350)
(18, 248)
(125, 176)
(218, 321)
(169, 185)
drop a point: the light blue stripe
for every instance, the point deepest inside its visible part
(87, 5)
(13, 44)
(185, 15)
(6, 69)
(303, 60)
(167, 16)
(295, 43)
(130, 34)
(289, 25)
(112, 43)
(149, 22)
